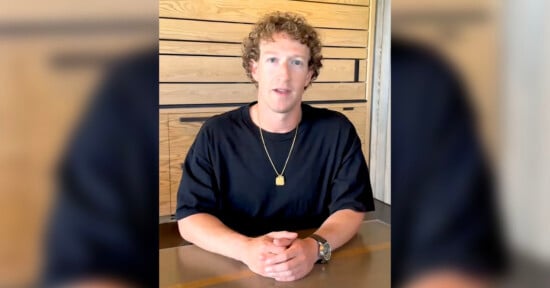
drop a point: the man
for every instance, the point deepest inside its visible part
(275, 165)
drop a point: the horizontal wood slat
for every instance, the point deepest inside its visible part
(249, 11)
(176, 29)
(348, 2)
(223, 49)
(207, 93)
(224, 69)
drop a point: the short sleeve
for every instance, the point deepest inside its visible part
(197, 192)
(351, 188)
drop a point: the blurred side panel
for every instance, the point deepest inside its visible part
(52, 56)
(525, 169)
(467, 35)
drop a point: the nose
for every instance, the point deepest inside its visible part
(283, 71)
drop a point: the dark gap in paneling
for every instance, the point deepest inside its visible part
(207, 105)
(193, 119)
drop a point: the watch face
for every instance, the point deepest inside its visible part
(325, 251)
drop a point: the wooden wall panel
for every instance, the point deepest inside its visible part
(164, 166)
(348, 2)
(362, 70)
(180, 29)
(229, 69)
(206, 93)
(225, 49)
(249, 11)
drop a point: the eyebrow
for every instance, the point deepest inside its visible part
(270, 53)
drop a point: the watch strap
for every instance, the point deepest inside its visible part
(320, 242)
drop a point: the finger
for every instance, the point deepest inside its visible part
(281, 275)
(283, 234)
(279, 258)
(282, 242)
(289, 265)
(270, 248)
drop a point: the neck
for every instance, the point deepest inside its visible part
(275, 122)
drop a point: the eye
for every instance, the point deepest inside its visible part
(297, 62)
(271, 60)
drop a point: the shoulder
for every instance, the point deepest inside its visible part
(224, 121)
(326, 118)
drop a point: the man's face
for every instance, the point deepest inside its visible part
(282, 72)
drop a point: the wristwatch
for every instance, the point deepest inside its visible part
(324, 250)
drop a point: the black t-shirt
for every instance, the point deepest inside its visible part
(227, 172)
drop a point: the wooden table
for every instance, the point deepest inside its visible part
(362, 262)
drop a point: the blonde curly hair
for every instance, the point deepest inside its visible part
(292, 24)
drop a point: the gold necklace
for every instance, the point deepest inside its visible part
(280, 179)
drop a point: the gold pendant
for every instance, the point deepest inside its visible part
(280, 180)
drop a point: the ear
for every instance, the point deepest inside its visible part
(308, 77)
(254, 69)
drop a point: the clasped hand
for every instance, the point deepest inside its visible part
(281, 255)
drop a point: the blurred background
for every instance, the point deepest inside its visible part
(53, 55)
(499, 49)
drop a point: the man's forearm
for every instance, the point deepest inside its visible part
(340, 227)
(209, 233)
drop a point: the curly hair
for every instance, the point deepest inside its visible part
(292, 24)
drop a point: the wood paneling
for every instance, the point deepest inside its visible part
(176, 29)
(350, 53)
(164, 166)
(249, 11)
(348, 2)
(175, 93)
(229, 69)
(224, 49)
(362, 70)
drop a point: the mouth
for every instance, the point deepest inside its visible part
(281, 91)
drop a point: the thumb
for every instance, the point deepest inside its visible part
(283, 234)
(282, 242)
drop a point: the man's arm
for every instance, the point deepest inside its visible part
(298, 260)
(199, 228)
